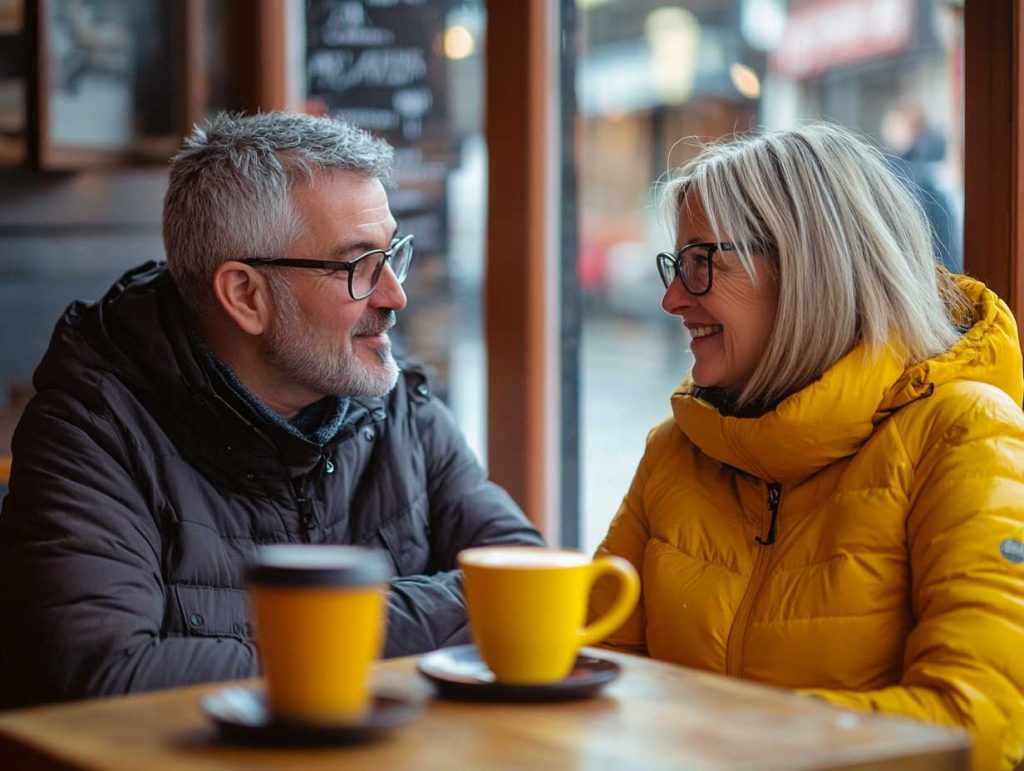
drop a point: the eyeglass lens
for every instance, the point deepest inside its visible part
(367, 272)
(691, 265)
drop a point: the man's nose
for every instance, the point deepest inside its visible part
(388, 293)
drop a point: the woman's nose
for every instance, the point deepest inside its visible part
(676, 299)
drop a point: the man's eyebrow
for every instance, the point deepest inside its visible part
(355, 248)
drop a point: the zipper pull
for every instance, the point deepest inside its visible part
(306, 514)
(774, 493)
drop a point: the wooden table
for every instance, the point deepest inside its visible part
(655, 716)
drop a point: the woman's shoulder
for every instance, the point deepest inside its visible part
(666, 437)
(959, 412)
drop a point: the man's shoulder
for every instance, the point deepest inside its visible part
(96, 401)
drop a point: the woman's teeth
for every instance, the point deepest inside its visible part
(698, 332)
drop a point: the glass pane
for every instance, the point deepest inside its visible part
(651, 73)
(413, 74)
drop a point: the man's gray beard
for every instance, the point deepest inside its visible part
(292, 348)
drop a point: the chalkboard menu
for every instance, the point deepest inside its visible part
(379, 64)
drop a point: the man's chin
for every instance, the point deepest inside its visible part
(375, 378)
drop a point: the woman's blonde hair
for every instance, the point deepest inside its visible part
(849, 245)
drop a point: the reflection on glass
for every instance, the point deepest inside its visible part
(654, 80)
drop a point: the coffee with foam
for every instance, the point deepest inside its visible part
(524, 557)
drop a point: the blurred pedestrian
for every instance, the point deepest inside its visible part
(917, 151)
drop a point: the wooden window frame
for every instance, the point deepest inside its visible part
(994, 147)
(521, 284)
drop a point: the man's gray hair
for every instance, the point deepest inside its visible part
(229, 192)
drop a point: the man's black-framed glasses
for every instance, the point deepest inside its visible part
(693, 263)
(364, 271)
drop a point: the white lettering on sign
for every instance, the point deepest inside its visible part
(374, 68)
(823, 34)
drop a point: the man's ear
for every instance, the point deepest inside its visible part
(244, 294)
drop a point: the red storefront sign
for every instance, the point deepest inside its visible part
(823, 34)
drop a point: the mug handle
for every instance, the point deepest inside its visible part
(629, 593)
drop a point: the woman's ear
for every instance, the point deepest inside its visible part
(244, 295)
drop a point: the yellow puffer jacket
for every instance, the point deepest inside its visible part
(864, 541)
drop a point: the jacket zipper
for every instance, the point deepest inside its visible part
(738, 631)
(307, 518)
(774, 492)
(308, 521)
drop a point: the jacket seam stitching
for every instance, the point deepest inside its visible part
(403, 514)
(897, 551)
(832, 617)
(674, 547)
(224, 536)
(206, 586)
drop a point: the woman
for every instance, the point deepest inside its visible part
(837, 504)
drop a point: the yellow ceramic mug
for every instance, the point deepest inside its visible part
(320, 620)
(527, 607)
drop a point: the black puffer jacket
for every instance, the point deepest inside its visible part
(139, 492)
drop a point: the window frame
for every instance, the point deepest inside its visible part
(994, 148)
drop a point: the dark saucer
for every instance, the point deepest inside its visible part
(242, 716)
(460, 673)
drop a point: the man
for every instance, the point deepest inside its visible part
(246, 394)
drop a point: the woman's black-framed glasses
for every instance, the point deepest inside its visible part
(364, 271)
(693, 263)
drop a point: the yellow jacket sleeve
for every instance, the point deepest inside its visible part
(964, 658)
(627, 538)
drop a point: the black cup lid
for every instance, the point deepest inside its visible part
(315, 565)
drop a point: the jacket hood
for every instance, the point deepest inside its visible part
(832, 417)
(136, 332)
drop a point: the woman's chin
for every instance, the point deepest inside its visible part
(703, 378)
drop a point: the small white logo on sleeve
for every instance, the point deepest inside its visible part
(1012, 550)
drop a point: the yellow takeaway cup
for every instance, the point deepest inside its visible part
(528, 606)
(320, 624)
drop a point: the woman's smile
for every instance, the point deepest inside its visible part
(700, 333)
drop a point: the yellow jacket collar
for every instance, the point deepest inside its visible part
(832, 417)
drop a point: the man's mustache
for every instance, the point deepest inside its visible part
(375, 324)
